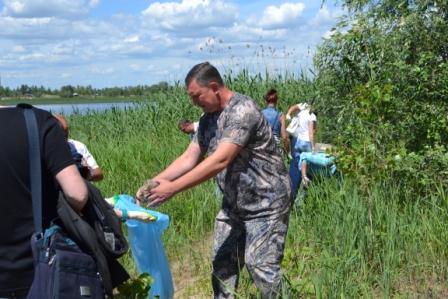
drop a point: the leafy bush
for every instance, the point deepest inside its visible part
(136, 288)
(382, 86)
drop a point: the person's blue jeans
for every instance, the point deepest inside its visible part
(297, 146)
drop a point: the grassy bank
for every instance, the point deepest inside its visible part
(342, 242)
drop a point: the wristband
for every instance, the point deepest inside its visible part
(116, 199)
(124, 215)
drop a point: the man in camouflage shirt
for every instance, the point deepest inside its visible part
(234, 143)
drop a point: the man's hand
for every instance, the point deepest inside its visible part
(164, 191)
(143, 192)
(305, 181)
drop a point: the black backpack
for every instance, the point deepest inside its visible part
(98, 232)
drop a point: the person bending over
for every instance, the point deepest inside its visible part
(86, 163)
(234, 143)
(302, 140)
(314, 164)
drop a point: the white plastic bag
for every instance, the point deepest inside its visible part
(293, 126)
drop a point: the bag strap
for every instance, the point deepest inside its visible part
(277, 118)
(35, 166)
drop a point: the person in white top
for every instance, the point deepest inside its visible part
(302, 140)
(88, 159)
(90, 170)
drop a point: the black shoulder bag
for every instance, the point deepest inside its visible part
(99, 233)
(61, 268)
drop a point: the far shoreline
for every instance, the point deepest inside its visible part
(48, 100)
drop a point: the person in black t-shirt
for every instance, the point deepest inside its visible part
(58, 171)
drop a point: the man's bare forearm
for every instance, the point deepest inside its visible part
(187, 161)
(209, 167)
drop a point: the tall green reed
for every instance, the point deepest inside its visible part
(342, 242)
(136, 144)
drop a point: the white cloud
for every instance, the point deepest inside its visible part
(138, 67)
(328, 34)
(18, 49)
(30, 30)
(243, 32)
(94, 3)
(159, 44)
(71, 9)
(285, 15)
(32, 57)
(190, 14)
(325, 17)
(102, 70)
(66, 49)
(324, 20)
(132, 39)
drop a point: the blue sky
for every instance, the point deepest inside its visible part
(107, 43)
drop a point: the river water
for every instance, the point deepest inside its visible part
(68, 109)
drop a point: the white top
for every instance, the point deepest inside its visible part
(304, 117)
(86, 155)
(303, 106)
(195, 126)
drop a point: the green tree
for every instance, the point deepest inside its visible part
(24, 89)
(382, 81)
(67, 91)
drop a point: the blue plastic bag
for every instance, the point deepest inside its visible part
(147, 248)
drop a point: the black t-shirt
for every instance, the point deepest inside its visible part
(16, 219)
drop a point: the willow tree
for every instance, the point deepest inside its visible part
(382, 80)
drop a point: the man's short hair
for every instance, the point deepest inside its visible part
(204, 73)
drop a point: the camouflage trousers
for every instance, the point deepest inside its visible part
(256, 243)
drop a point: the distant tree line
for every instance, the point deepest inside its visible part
(69, 91)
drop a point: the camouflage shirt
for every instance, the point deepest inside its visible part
(256, 183)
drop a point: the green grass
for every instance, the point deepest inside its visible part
(342, 242)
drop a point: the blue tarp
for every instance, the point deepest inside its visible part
(147, 248)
